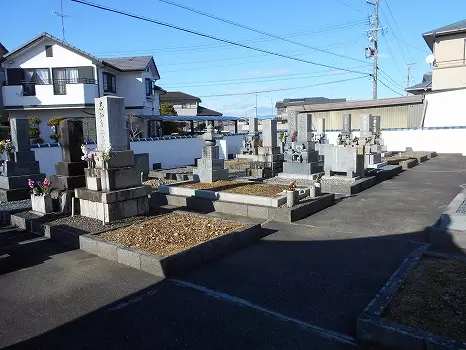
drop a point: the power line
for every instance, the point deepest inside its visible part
(171, 49)
(414, 47)
(282, 89)
(253, 29)
(388, 87)
(146, 19)
(240, 80)
(349, 6)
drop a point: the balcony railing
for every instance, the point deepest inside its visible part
(59, 85)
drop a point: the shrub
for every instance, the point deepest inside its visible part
(34, 121)
(55, 137)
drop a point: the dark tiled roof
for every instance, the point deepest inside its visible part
(3, 50)
(202, 111)
(425, 85)
(178, 97)
(429, 36)
(134, 63)
(307, 101)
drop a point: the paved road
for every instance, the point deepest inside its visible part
(302, 286)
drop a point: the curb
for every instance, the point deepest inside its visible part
(372, 329)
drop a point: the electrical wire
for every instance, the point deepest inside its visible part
(349, 6)
(255, 30)
(388, 87)
(282, 89)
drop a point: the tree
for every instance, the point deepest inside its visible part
(170, 127)
(135, 128)
(53, 123)
(34, 131)
(167, 109)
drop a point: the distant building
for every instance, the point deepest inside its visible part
(423, 87)
(47, 77)
(448, 44)
(282, 106)
(187, 105)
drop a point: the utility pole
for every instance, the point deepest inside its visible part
(256, 105)
(62, 15)
(374, 38)
(409, 76)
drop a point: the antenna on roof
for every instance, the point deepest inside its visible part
(62, 15)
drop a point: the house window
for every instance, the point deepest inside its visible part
(48, 51)
(109, 82)
(149, 90)
(187, 105)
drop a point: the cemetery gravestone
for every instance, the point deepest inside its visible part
(210, 167)
(269, 160)
(20, 165)
(113, 185)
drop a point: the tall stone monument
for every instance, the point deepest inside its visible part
(113, 186)
(301, 158)
(210, 167)
(70, 171)
(251, 140)
(345, 137)
(20, 165)
(371, 141)
(269, 160)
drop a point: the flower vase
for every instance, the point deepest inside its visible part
(291, 198)
(42, 203)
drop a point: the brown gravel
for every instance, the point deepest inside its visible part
(153, 183)
(433, 298)
(237, 161)
(171, 233)
(240, 187)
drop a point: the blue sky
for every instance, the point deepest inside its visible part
(204, 67)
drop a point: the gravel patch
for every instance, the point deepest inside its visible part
(433, 298)
(171, 233)
(153, 183)
(240, 187)
(16, 205)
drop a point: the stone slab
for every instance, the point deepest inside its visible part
(23, 156)
(108, 212)
(344, 185)
(116, 178)
(11, 168)
(118, 159)
(16, 182)
(70, 168)
(71, 139)
(14, 194)
(302, 168)
(67, 182)
(381, 333)
(113, 196)
(141, 161)
(269, 133)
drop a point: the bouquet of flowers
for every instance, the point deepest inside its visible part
(104, 156)
(39, 188)
(294, 136)
(6, 146)
(292, 186)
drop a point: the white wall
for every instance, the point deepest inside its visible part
(35, 57)
(446, 108)
(171, 153)
(440, 141)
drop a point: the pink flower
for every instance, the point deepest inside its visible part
(46, 183)
(30, 183)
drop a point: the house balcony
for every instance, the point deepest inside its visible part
(57, 95)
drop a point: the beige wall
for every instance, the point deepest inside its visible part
(450, 71)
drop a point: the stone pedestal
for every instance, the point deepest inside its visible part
(42, 204)
(300, 155)
(21, 166)
(69, 173)
(210, 168)
(113, 188)
(250, 141)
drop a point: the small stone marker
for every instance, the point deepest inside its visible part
(365, 129)
(305, 133)
(253, 126)
(269, 133)
(292, 123)
(111, 131)
(346, 129)
(71, 139)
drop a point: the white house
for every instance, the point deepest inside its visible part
(47, 77)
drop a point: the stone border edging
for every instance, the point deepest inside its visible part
(297, 212)
(174, 264)
(373, 329)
